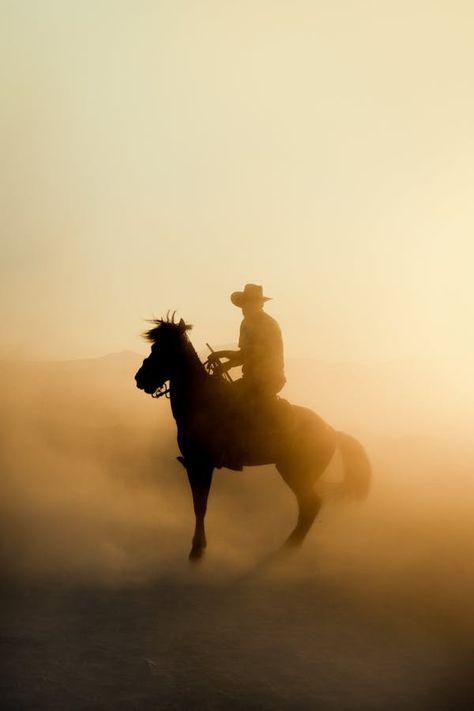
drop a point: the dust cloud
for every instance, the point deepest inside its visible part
(92, 496)
(87, 488)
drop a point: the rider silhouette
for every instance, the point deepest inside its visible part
(252, 413)
(260, 349)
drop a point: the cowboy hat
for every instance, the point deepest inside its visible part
(251, 292)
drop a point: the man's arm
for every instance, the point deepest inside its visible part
(234, 358)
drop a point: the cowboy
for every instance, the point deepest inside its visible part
(260, 348)
(261, 356)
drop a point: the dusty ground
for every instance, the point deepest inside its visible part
(267, 641)
(374, 613)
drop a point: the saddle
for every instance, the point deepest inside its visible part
(247, 424)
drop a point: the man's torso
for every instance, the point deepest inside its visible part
(262, 351)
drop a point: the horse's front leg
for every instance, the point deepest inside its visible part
(200, 478)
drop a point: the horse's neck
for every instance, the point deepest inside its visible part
(186, 383)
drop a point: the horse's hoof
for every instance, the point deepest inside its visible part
(196, 554)
(292, 543)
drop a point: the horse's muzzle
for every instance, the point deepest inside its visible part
(139, 381)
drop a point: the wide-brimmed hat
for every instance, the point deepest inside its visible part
(251, 293)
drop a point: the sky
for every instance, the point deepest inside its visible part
(159, 155)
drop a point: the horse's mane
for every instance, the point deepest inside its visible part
(166, 325)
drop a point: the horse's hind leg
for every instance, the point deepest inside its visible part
(308, 501)
(309, 504)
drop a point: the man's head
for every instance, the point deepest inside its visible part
(250, 300)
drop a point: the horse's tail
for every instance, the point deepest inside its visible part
(357, 469)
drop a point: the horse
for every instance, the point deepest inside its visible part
(300, 445)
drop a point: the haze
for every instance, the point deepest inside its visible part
(161, 155)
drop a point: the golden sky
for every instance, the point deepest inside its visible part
(160, 154)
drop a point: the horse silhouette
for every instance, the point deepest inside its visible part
(213, 426)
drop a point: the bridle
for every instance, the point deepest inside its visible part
(165, 390)
(162, 390)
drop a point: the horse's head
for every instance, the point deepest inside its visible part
(168, 341)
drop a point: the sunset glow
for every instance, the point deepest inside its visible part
(159, 157)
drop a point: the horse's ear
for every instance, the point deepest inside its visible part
(183, 327)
